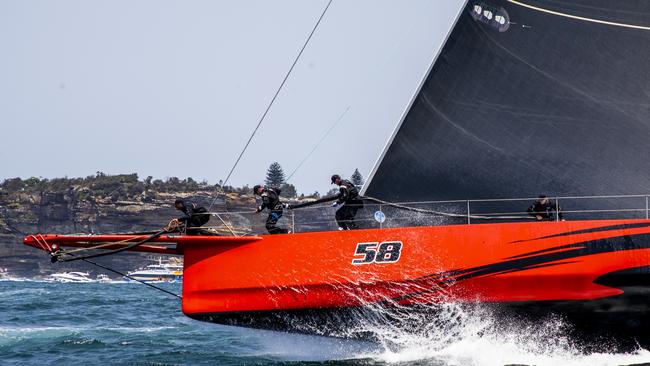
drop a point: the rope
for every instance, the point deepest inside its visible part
(277, 92)
(44, 246)
(57, 256)
(228, 226)
(131, 278)
(65, 252)
(407, 208)
(440, 213)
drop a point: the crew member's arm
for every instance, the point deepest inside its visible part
(266, 200)
(343, 195)
(188, 211)
(313, 203)
(532, 211)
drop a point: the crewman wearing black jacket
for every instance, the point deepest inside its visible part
(271, 200)
(348, 197)
(542, 209)
(193, 217)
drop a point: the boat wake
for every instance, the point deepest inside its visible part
(453, 334)
(18, 279)
(444, 333)
(449, 334)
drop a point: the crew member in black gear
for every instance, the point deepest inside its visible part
(193, 217)
(271, 200)
(542, 209)
(348, 197)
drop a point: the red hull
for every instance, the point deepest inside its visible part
(251, 280)
(488, 263)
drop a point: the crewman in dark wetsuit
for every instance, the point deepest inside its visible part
(193, 217)
(542, 209)
(348, 197)
(271, 200)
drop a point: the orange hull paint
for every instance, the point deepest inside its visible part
(596, 273)
(465, 263)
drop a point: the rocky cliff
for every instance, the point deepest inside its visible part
(112, 204)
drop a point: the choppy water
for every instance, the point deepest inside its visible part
(129, 324)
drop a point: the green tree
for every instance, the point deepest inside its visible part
(274, 175)
(357, 178)
(12, 184)
(189, 184)
(289, 190)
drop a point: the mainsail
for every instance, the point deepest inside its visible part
(528, 97)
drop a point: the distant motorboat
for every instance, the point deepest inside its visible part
(4, 274)
(102, 278)
(168, 271)
(77, 277)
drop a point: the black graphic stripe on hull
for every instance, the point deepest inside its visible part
(529, 261)
(588, 231)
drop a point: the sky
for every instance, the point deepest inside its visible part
(175, 88)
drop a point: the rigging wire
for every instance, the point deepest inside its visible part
(131, 278)
(277, 92)
(49, 248)
(318, 143)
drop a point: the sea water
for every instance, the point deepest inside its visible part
(124, 323)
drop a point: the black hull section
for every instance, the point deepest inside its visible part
(615, 324)
(548, 104)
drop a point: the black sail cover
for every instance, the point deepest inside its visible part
(529, 97)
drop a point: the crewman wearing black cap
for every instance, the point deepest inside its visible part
(348, 198)
(193, 217)
(271, 200)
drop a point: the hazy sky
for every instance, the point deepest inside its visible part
(175, 88)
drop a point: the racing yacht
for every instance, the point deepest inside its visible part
(524, 98)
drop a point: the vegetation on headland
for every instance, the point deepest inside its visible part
(123, 187)
(103, 203)
(129, 187)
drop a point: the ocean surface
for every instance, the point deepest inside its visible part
(123, 323)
